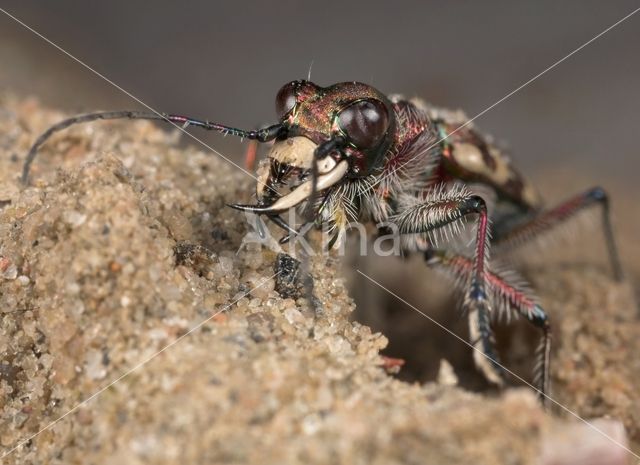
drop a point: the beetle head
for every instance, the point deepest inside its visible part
(346, 129)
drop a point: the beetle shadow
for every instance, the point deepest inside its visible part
(421, 343)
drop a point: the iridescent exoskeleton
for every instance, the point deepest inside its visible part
(348, 153)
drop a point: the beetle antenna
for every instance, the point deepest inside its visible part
(261, 135)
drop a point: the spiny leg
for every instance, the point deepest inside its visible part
(509, 294)
(546, 220)
(443, 208)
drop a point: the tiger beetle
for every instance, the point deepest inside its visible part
(349, 153)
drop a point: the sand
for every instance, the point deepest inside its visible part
(123, 247)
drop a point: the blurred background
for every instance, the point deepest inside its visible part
(226, 60)
(574, 127)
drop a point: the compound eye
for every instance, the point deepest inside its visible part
(286, 99)
(365, 122)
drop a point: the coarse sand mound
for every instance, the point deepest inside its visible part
(122, 245)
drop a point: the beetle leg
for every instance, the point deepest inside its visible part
(444, 209)
(546, 220)
(509, 295)
(250, 155)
